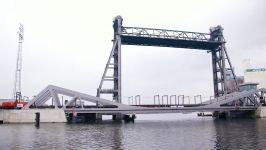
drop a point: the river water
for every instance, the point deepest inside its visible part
(163, 132)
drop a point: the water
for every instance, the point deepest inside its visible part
(168, 132)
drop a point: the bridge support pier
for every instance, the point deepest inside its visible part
(224, 115)
(84, 117)
(126, 118)
(234, 114)
(117, 117)
(129, 118)
(99, 116)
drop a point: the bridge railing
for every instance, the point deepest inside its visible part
(134, 100)
(173, 97)
(165, 34)
(178, 100)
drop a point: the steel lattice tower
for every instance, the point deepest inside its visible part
(17, 84)
(114, 63)
(220, 63)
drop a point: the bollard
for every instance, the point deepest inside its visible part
(37, 119)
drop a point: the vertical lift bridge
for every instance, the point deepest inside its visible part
(213, 42)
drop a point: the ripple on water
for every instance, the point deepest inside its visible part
(153, 134)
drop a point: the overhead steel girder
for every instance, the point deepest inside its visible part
(175, 43)
(168, 38)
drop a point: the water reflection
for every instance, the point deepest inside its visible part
(240, 134)
(95, 136)
(193, 134)
(117, 137)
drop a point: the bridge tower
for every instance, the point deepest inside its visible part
(114, 64)
(220, 63)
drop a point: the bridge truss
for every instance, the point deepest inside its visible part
(52, 92)
(247, 100)
(213, 42)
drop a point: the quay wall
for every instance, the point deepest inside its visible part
(28, 116)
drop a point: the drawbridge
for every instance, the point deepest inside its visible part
(247, 100)
(213, 43)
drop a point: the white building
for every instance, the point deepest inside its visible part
(257, 75)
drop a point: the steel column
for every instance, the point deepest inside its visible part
(115, 56)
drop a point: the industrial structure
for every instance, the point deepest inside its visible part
(212, 42)
(256, 75)
(224, 100)
(17, 84)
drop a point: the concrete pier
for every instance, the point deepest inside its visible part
(99, 116)
(28, 116)
(261, 112)
(235, 114)
(129, 118)
(117, 117)
(83, 117)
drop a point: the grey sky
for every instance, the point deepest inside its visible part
(67, 43)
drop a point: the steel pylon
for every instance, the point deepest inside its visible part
(114, 64)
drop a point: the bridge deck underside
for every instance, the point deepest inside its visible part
(164, 42)
(143, 110)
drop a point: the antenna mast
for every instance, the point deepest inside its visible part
(17, 85)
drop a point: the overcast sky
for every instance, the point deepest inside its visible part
(67, 43)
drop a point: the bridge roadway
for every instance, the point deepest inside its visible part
(246, 100)
(156, 110)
